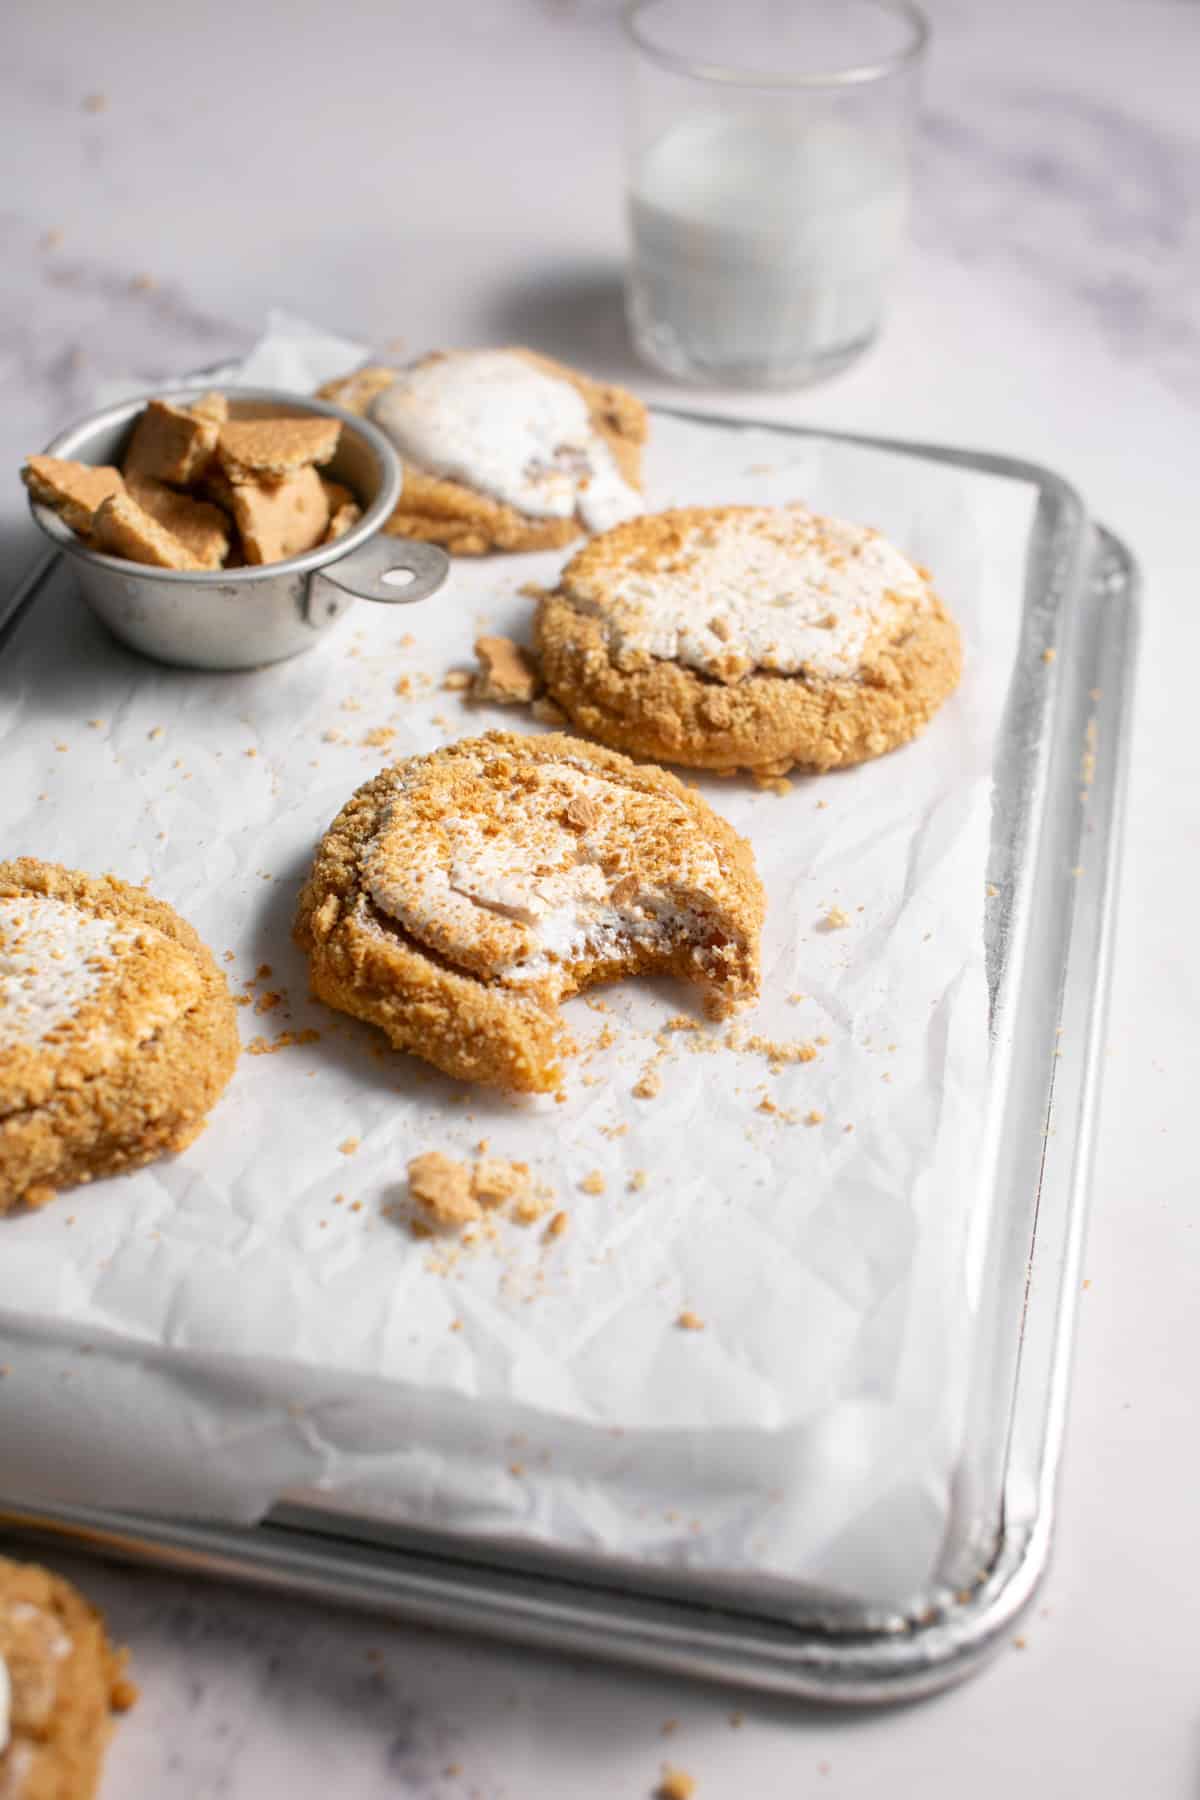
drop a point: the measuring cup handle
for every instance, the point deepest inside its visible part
(393, 571)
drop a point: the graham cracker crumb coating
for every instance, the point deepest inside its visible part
(132, 1074)
(354, 393)
(472, 1021)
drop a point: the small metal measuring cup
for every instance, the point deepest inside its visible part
(243, 618)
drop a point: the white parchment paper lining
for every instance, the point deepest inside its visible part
(220, 1329)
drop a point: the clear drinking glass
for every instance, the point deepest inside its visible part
(769, 154)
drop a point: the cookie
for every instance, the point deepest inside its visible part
(60, 1682)
(354, 393)
(117, 1032)
(507, 450)
(747, 637)
(459, 897)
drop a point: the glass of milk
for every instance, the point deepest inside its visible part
(768, 181)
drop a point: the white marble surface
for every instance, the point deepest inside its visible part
(451, 174)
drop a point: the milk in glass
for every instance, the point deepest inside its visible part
(762, 243)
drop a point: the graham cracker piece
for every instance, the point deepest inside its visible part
(344, 510)
(337, 494)
(123, 528)
(281, 518)
(495, 1180)
(508, 674)
(73, 489)
(441, 1187)
(343, 520)
(171, 443)
(211, 406)
(201, 529)
(216, 486)
(356, 392)
(254, 447)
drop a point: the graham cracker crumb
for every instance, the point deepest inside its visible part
(814, 1117)
(637, 1181)
(1048, 656)
(441, 1188)
(557, 1225)
(836, 919)
(649, 1084)
(508, 674)
(593, 1183)
(530, 1207)
(779, 1051)
(676, 1784)
(456, 681)
(349, 1145)
(493, 1180)
(689, 1320)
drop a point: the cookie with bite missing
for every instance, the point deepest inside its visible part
(459, 897)
(117, 1031)
(504, 449)
(60, 1682)
(740, 637)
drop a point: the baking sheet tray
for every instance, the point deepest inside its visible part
(1052, 919)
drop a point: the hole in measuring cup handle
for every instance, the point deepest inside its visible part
(392, 571)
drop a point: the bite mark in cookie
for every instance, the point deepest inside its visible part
(751, 637)
(461, 896)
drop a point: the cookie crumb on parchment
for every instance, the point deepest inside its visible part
(508, 674)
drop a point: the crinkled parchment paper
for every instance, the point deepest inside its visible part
(255, 1317)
